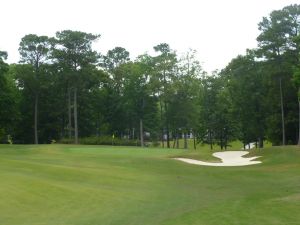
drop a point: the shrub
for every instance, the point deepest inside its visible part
(102, 140)
(9, 139)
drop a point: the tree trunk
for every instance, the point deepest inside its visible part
(282, 112)
(132, 133)
(174, 142)
(168, 137)
(225, 140)
(177, 140)
(75, 116)
(194, 137)
(36, 101)
(141, 132)
(185, 141)
(69, 114)
(221, 141)
(162, 138)
(162, 129)
(167, 126)
(210, 140)
(260, 142)
(98, 124)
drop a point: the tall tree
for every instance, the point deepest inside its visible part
(34, 50)
(165, 66)
(297, 83)
(185, 95)
(74, 52)
(277, 47)
(113, 64)
(6, 98)
(215, 121)
(247, 92)
(114, 58)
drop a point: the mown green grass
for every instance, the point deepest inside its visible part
(98, 185)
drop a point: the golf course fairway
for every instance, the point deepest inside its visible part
(99, 185)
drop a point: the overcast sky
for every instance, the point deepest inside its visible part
(218, 29)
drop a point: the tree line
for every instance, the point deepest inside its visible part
(62, 89)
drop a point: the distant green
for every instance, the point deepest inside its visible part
(98, 185)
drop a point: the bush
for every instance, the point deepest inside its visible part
(102, 140)
(154, 144)
(66, 141)
(9, 139)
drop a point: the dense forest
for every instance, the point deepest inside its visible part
(62, 90)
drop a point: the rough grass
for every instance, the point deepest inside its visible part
(92, 185)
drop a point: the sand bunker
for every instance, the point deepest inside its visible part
(229, 158)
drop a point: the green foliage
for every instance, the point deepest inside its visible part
(8, 100)
(114, 58)
(34, 49)
(63, 88)
(9, 139)
(103, 140)
(247, 91)
(217, 123)
(279, 47)
(296, 78)
(2, 134)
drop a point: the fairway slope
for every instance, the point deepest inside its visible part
(102, 185)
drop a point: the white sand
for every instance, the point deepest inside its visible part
(229, 158)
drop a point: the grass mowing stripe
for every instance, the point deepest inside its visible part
(91, 185)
